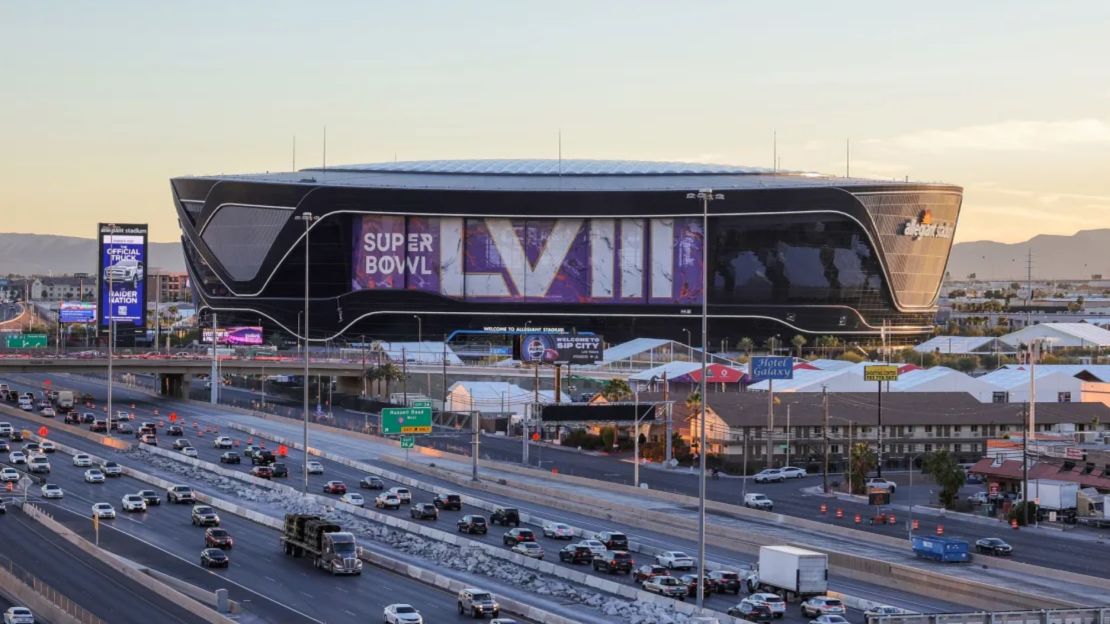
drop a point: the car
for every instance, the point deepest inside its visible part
(387, 501)
(691, 582)
(769, 475)
(972, 479)
(17, 457)
(180, 494)
(979, 498)
(644, 572)
(214, 558)
(829, 619)
(48, 447)
(675, 560)
(5, 429)
(16, 436)
(31, 448)
(215, 537)
(335, 487)
(371, 483)
(9, 474)
(472, 524)
(666, 586)
(576, 553)
(94, 475)
(250, 449)
(726, 581)
(203, 515)
(262, 472)
(149, 438)
(595, 546)
(759, 501)
(502, 620)
(132, 502)
(279, 470)
(448, 501)
(822, 605)
(82, 460)
(612, 540)
(353, 498)
(402, 493)
(230, 457)
(505, 516)
(223, 442)
(110, 469)
(516, 535)
(26, 406)
(794, 472)
(181, 444)
(878, 611)
(477, 603)
(402, 614)
(48, 412)
(993, 546)
(885, 484)
(557, 530)
(175, 430)
(39, 463)
(613, 561)
(19, 615)
(774, 602)
(424, 511)
(315, 467)
(104, 511)
(189, 451)
(750, 611)
(528, 549)
(100, 425)
(49, 490)
(150, 497)
(262, 457)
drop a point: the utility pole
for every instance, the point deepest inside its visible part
(787, 435)
(770, 421)
(825, 428)
(668, 452)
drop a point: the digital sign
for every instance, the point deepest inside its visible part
(122, 265)
(236, 336)
(77, 312)
(551, 348)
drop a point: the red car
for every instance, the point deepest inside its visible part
(217, 538)
(265, 472)
(334, 487)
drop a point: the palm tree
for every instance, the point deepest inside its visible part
(799, 341)
(616, 390)
(387, 373)
(746, 345)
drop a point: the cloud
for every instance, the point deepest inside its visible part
(1006, 135)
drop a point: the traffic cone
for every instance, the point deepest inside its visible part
(916, 525)
(824, 508)
(890, 519)
(839, 513)
(940, 529)
(1014, 524)
(858, 519)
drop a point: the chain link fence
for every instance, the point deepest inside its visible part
(41, 588)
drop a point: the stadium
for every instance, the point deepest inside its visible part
(611, 247)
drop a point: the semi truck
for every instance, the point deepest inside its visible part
(790, 570)
(331, 548)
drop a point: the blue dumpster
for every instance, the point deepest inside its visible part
(941, 549)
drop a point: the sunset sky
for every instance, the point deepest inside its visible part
(104, 102)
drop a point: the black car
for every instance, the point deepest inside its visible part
(613, 561)
(214, 558)
(448, 501)
(751, 612)
(993, 546)
(125, 427)
(4, 448)
(16, 436)
(518, 535)
(263, 458)
(175, 430)
(505, 516)
(150, 497)
(371, 483)
(279, 470)
(424, 511)
(472, 524)
(230, 457)
(613, 540)
(576, 553)
(725, 581)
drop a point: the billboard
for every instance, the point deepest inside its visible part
(551, 348)
(772, 367)
(880, 372)
(77, 312)
(565, 260)
(122, 270)
(237, 336)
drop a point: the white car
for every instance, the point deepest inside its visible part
(876, 482)
(387, 501)
(5, 429)
(48, 412)
(49, 490)
(222, 442)
(829, 619)
(529, 549)
(17, 457)
(315, 467)
(794, 472)
(401, 493)
(755, 500)
(774, 602)
(822, 605)
(402, 614)
(92, 475)
(82, 460)
(770, 475)
(133, 502)
(189, 451)
(26, 406)
(47, 446)
(675, 560)
(558, 530)
(19, 615)
(353, 498)
(9, 474)
(595, 546)
(104, 511)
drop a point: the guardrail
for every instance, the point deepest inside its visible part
(1090, 615)
(68, 607)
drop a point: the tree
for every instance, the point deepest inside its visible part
(799, 341)
(826, 343)
(746, 345)
(863, 461)
(947, 474)
(616, 390)
(693, 403)
(384, 373)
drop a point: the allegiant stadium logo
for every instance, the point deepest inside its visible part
(923, 226)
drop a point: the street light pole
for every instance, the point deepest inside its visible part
(909, 525)
(111, 325)
(308, 218)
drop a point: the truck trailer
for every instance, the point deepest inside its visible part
(1053, 495)
(790, 570)
(944, 549)
(331, 548)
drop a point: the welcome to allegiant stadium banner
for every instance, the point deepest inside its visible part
(566, 260)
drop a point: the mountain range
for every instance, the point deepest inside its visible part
(47, 254)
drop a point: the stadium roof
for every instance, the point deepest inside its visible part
(964, 345)
(552, 174)
(1062, 335)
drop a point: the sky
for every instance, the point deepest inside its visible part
(102, 103)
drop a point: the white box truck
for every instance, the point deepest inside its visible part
(65, 400)
(790, 570)
(1054, 495)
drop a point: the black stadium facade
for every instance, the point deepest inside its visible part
(613, 247)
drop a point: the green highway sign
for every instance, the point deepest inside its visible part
(26, 341)
(423, 403)
(408, 442)
(401, 420)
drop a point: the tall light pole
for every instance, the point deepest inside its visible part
(689, 344)
(308, 219)
(112, 229)
(909, 524)
(706, 196)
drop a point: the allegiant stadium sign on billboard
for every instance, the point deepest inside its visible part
(923, 227)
